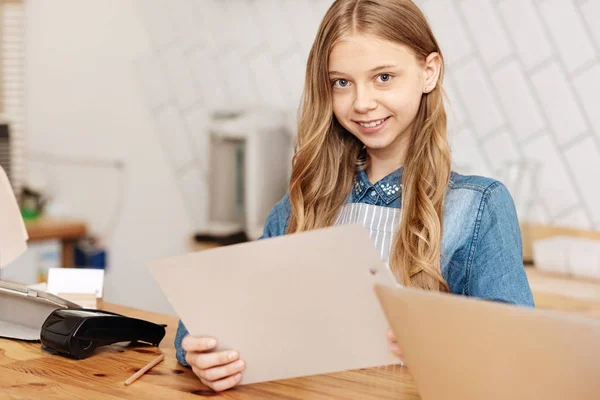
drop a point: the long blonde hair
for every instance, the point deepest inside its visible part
(327, 156)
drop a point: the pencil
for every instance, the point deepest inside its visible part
(142, 371)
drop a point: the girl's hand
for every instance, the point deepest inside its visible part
(394, 346)
(219, 370)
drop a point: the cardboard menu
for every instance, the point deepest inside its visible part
(292, 306)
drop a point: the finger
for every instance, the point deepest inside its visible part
(224, 371)
(395, 350)
(223, 384)
(199, 372)
(194, 343)
(210, 360)
(391, 335)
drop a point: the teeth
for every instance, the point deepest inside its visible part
(372, 124)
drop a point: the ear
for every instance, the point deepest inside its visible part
(431, 72)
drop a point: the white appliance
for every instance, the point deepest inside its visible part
(249, 165)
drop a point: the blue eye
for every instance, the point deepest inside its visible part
(341, 83)
(384, 78)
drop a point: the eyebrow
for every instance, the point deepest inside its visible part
(376, 69)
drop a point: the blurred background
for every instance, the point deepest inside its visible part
(134, 130)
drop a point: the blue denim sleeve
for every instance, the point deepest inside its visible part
(275, 225)
(277, 220)
(495, 268)
(179, 352)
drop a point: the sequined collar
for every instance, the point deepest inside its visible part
(388, 187)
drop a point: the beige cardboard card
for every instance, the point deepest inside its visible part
(459, 348)
(292, 306)
(13, 234)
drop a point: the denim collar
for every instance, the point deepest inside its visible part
(389, 188)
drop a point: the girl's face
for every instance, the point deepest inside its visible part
(377, 87)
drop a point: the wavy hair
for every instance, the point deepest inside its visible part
(327, 156)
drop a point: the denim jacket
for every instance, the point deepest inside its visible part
(481, 239)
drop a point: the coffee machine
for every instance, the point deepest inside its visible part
(248, 169)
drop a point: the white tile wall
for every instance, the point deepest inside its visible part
(522, 180)
(272, 17)
(558, 101)
(196, 122)
(555, 184)
(584, 160)
(174, 137)
(451, 33)
(292, 71)
(153, 82)
(237, 77)
(305, 22)
(210, 24)
(454, 108)
(565, 26)
(220, 22)
(467, 154)
(271, 78)
(526, 30)
(537, 214)
(179, 76)
(590, 10)
(208, 79)
(320, 7)
(186, 23)
(477, 95)
(587, 86)
(248, 31)
(485, 29)
(501, 151)
(516, 98)
(192, 183)
(159, 22)
(523, 77)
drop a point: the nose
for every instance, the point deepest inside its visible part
(365, 100)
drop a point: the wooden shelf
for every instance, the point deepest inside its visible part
(48, 228)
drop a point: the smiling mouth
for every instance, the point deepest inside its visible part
(371, 124)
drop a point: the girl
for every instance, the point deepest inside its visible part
(372, 149)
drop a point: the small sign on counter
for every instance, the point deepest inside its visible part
(83, 286)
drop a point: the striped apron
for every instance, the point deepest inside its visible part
(381, 222)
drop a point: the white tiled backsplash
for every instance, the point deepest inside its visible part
(523, 77)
